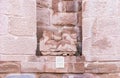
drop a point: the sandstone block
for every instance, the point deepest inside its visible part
(30, 67)
(99, 41)
(22, 26)
(68, 59)
(101, 68)
(79, 76)
(48, 76)
(116, 75)
(43, 17)
(70, 6)
(102, 57)
(33, 58)
(2, 75)
(18, 8)
(70, 67)
(13, 57)
(23, 2)
(80, 59)
(47, 64)
(9, 67)
(22, 10)
(105, 38)
(117, 6)
(28, 11)
(87, 25)
(3, 24)
(105, 44)
(20, 76)
(99, 8)
(17, 45)
(30, 3)
(44, 3)
(64, 19)
(4, 6)
(55, 5)
(20, 16)
(78, 68)
(108, 26)
(62, 70)
(50, 67)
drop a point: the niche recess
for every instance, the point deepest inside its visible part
(59, 27)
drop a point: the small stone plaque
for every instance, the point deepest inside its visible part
(60, 62)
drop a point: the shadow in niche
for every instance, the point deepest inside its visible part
(38, 53)
(39, 32)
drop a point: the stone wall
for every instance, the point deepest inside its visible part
(17, 27)
(100, 38)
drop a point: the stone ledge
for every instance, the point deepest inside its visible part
(33, 58)
(46, 64)
(102, 67)
(50, 75)
(49, 67)
(68, 59)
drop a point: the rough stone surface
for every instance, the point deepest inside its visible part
(100, 8)
(22, 26)
(20, 8)
(64, 19)
(100, 30)
(14, 57)
(3, 25)
(44, 3)
(70, 6)
(2, 75)
(19, 19)
(9, 67)
(20, 76)
(17, 27)
(48, 76)
(30, 67)
(102, 67)
(79, 76)
(55, 5)
(43, 17)
(17, 45)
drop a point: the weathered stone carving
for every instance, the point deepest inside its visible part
(59, 27)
